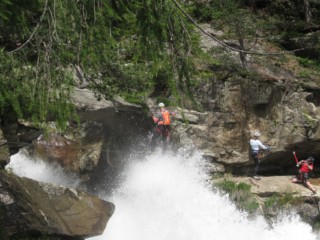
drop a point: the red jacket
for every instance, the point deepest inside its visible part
(305, 167)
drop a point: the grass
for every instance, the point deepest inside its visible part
(240, 194)
(281, 201)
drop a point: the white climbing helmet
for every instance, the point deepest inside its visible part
(161, 104)
(257, 134)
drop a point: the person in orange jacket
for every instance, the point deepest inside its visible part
(306, 166)
(163, 127)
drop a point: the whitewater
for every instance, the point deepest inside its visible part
(169, 197)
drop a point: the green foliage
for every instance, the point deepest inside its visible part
(308, 63)
(202, 11)
(4, 5)
(316, 223)
(310, 68)
(131, 48)
(28, 94)
(241, 194)
(288, 15)
(235, 19)
(281, 201)
(123, 47)
(305, 74)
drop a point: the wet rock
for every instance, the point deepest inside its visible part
(29, 206)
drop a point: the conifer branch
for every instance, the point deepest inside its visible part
(35, 29)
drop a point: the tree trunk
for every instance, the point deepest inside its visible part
(253, 6)
(308, 15)
(243, 55)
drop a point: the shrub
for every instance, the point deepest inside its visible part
(240, 194)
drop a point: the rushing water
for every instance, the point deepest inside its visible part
(22, 165)
(165, 197)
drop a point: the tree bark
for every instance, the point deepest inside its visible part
(307, 10)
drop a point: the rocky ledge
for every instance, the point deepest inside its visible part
(276, 184)
(274, 195)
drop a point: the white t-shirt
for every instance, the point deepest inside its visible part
(256, 144)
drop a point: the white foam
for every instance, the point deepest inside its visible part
(168, 198)
(165, 197)
(24, 166)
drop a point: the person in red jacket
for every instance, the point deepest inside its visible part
(163, 129)
(306, 166)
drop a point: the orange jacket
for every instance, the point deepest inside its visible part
(162, 118)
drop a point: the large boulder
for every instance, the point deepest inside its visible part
(78, 151)
(32, 207)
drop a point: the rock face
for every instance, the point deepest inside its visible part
(32, 207)
(97, 144)
(286, 113)
(79, 151)
(284, 109)
(307, 45)
(277, 100)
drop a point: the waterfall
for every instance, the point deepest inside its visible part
(24, 166)
(169, 197)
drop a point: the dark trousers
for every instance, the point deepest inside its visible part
(303, 176)
(255, 156)
(164, 132)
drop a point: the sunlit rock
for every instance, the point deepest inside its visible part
(50, 210)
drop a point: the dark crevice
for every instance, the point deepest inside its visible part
(314, 98)
(261, 110)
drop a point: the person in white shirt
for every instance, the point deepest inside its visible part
(255, 147)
